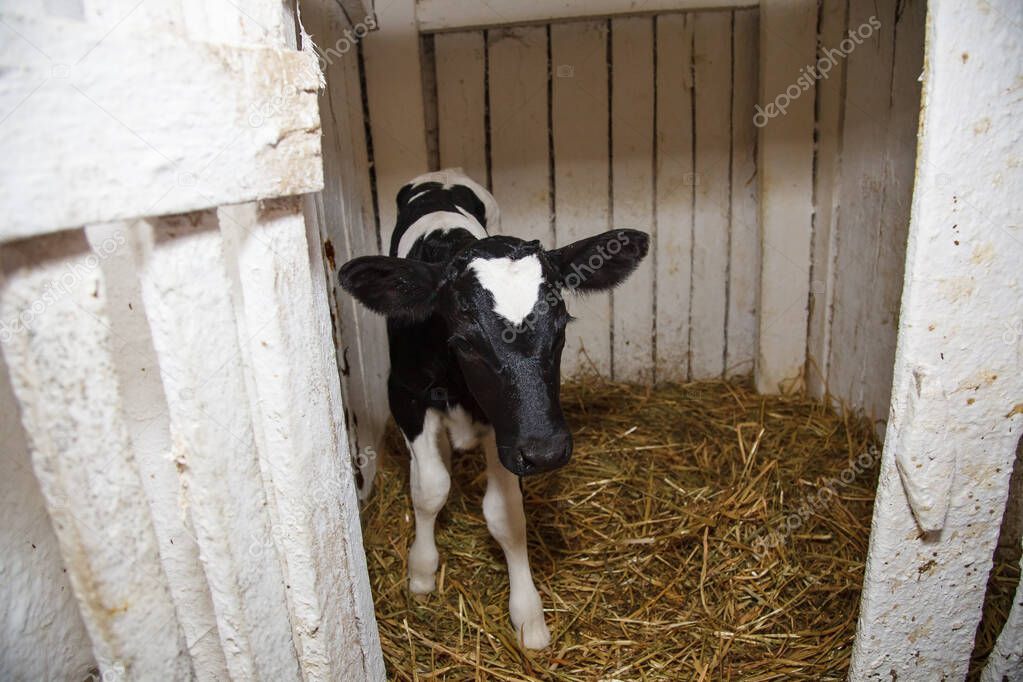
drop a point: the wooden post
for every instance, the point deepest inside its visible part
(186, 289)
(957, 404)
(305, 460)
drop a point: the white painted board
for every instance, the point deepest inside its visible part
(394, 84)
(518, 132)
(712, 57)
(59, 350)
(461, 103)
(82, 147)
(145, 414)
(862, 185)
(581, 177)
(788, 38)
(744, 235)
(186, 289)
(674, 200)
(305, 466)
(632, 163)
(441, 15)
(832, 20)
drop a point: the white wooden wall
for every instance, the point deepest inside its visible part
(866, 154)
(579, 127)
(648, 122)
(169, 348)
(345, 213)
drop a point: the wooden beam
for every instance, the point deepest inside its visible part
(788, 41)
(83, 147)
(956, 404)
(304, 455)
(343, 213)
(859, 235)
(447, 15)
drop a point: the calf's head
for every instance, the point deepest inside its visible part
(502, 300)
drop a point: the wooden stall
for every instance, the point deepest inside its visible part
(192, 407)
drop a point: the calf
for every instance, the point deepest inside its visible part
(476, 326)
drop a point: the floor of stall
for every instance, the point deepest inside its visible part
(701, 531)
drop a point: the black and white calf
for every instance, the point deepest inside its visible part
(476, 325)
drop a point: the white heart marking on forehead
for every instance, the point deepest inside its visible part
(514, 284)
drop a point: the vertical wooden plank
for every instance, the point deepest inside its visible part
(185, 286)
(60, 355)
(36, 592)
(632, 162)
(395, 92)
(712, 57)
(460, 103)
(859, 235)
(581, 177)
(832, 21)
(311, 487)
(900, 145)
(364, 237)
(744, 235)
(145, 413)
(352, 558)
(343, 213)
(788, 38)
(518, 131)
(675, 183)
(956, 409)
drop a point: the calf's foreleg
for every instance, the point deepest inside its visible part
(502, 508)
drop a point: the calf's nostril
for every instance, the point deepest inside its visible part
(528, 464)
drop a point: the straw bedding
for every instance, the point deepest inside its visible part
(701, 531)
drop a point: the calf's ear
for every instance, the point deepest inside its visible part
(398, 288)
(601, 262)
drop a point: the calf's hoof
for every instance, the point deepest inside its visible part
(534, 633)
(419, 584)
